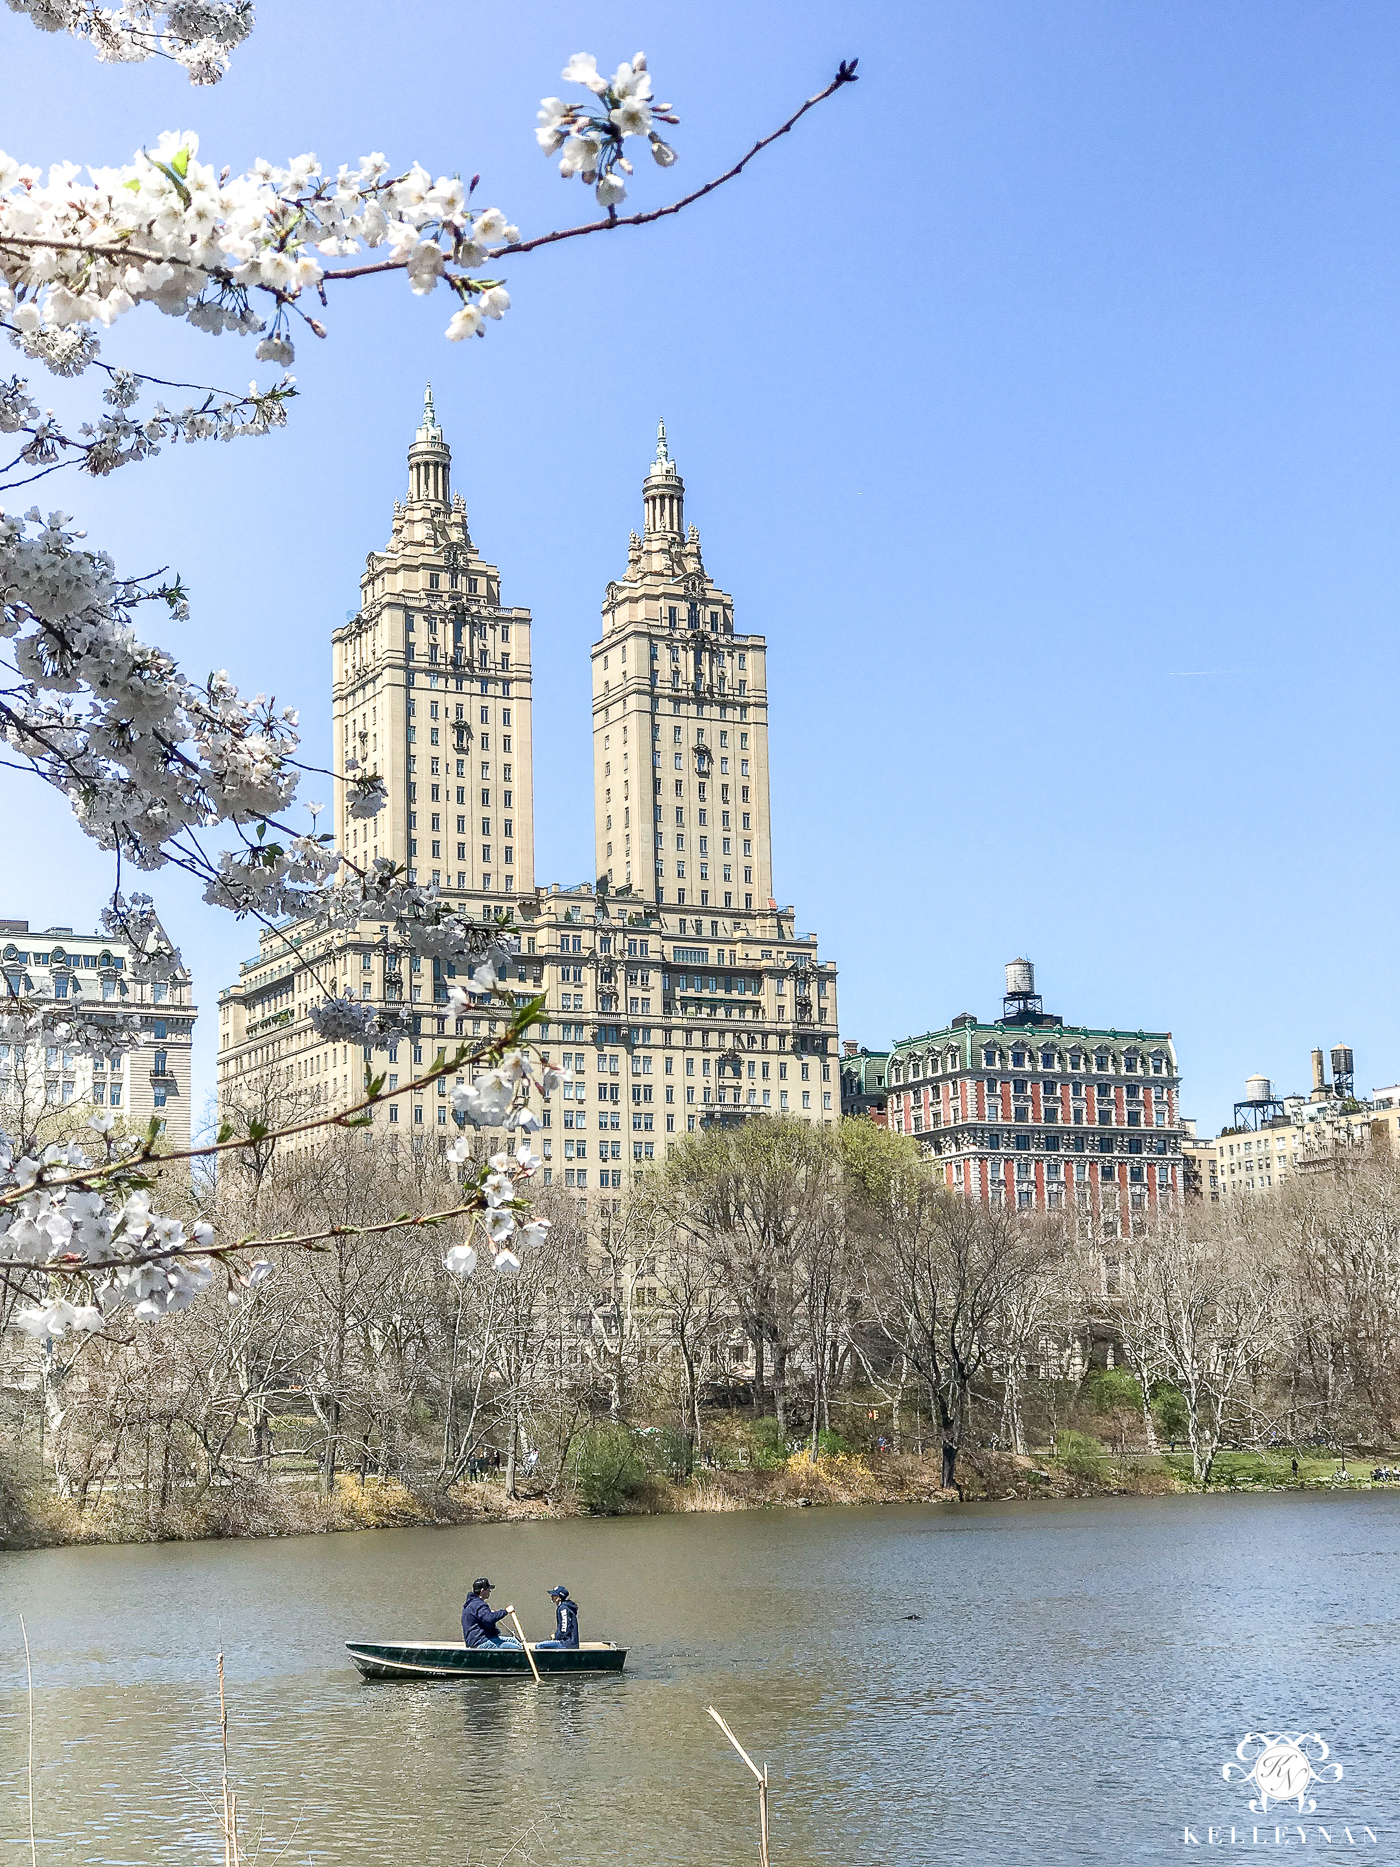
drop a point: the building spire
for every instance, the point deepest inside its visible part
(663, 491)
(430, 459)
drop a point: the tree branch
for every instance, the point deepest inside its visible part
(846, 74)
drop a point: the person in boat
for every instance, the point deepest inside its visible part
(479, 1619)
(565, 1619)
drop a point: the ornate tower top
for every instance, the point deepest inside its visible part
(429, 460)
(663, 492)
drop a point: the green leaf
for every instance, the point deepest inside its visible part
(172, 177)
(225, 1132)
(181, 163)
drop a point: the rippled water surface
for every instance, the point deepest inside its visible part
(1075, 1680)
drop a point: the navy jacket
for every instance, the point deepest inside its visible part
(479, 1621)
(566, 1623)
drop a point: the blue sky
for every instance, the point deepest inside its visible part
(1037, 399)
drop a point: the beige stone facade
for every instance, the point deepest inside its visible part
(431, 690)
(148, 1081)
(680, 725)
(1199, 1166)
(678, 991)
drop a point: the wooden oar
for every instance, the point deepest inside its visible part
(761, 1776)
(525, 1643)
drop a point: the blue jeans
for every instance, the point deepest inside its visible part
(497, 1642)
(569, 1645)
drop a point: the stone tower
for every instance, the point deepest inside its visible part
(431, 690)
(680, 727)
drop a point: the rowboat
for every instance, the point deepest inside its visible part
(422, 1659)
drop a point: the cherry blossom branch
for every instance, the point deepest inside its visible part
(122, 1167)
(846, 74)
(304, 1241)
(198, 34)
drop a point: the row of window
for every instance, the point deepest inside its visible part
(473, 586)
(1022, 1088)
(994, 1056)
(91, 962)
(105, 1094)
(1050, 1143)
(1106, 1118)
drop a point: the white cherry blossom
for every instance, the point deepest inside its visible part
(460, 1260)
(198, 34)
(589, 138)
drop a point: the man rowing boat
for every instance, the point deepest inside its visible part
(479, 1618)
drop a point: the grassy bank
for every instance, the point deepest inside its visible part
(37, 1519)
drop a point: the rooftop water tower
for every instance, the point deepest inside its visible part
(1344, 1072)
(1021, 1004)
(1260, 1105)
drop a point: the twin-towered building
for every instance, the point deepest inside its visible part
(679, 992)
(1030, 1112)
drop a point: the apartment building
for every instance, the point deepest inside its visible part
(1031, 1112)
(679, 992)
(93, 972)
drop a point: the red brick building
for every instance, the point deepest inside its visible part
(1031, 1112)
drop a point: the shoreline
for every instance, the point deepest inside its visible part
(830, 1481)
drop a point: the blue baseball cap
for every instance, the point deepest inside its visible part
(558, 1589)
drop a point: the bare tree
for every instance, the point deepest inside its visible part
(757, 1198)
(947, 1275)
(1217, 1295)
(697, 1307)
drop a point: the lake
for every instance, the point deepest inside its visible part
(1076, 1678)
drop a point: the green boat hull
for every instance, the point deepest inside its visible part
(419, 1659)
